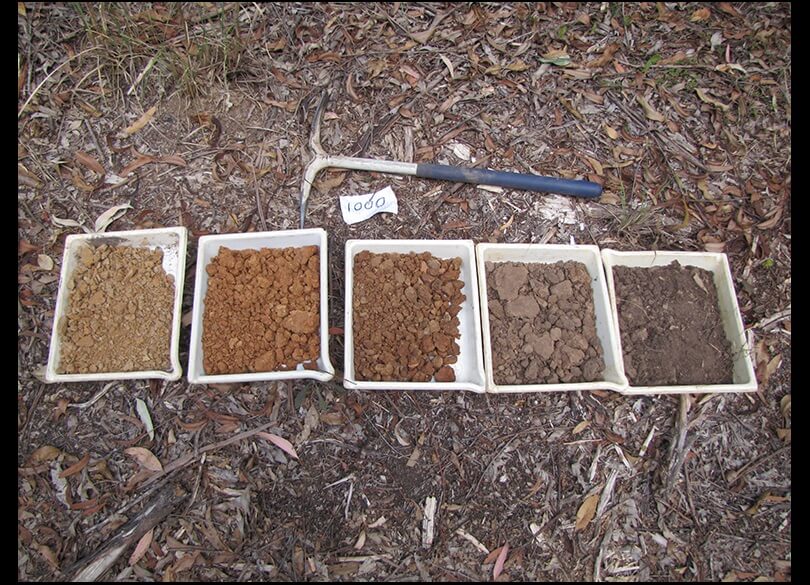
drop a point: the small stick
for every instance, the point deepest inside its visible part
(606, 493)
(95, 398)
(428, 522)
(348, 500)
(775, 318)
(475, 542)
(677, 451)
(732, 476)
(646, 443)
(123, 509)
(146, 69)
(258, 200)
(597, 565)
(96, 564)
(41, 83)
(94, 138)
(186, 459)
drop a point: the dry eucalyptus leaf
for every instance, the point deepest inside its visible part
(726, 67)
(279, 442)
(136, 164)
(76, 467)
(449, 65)
(649, 111)
(109, 216)
(332, 418)
(581, 427)
(45, 453)
(597, 166)
(140, 122)
(556, 57)
(773, 365)
(65, 222)
(498, 568)
(47, 553)
(59, 483)
(145, 457)
(700, 15)
(784, 404)
(490, 558)
(462, 151)
(172, 159)
(45, 262)
(586, 512)
(88, 161)
(141, 547)
(519, 65)
(705, 97)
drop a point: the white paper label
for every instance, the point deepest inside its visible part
(357, 208)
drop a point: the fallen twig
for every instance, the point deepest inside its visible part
(775, 318)
(47, 77)
(604, 499)
(677, 451)
(732, 476)
(597, 565)
(428, 522)
(259, 206)
(95, 398)
(94, 566)
(186, 459)
(475, 542)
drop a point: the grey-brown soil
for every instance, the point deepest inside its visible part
(119, 312)
(405, 317)
(542, 323)
(670, 326)
(261, 310)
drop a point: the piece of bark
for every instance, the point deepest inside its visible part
(96, 564)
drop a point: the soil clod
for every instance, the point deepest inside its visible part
(261, 310)
(405, 321)
(119, 312)
(542, 323)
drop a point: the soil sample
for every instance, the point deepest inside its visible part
(119, 312)
(405, 317)
(670, 326)
(262, 310)
(542, 323)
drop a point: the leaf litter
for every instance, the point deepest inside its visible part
(409, 81)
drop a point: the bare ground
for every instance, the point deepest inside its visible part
(681, 110)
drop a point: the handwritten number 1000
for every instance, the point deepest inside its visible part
(370, 204)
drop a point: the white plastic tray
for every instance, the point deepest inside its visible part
(744, 379)
(173, 243)
(469, 368)
(208, 247)
(613, 377)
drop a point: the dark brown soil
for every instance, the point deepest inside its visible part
(119, 312)
(542, 323)
(405, 317)
(261, 310)
(670, 326)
